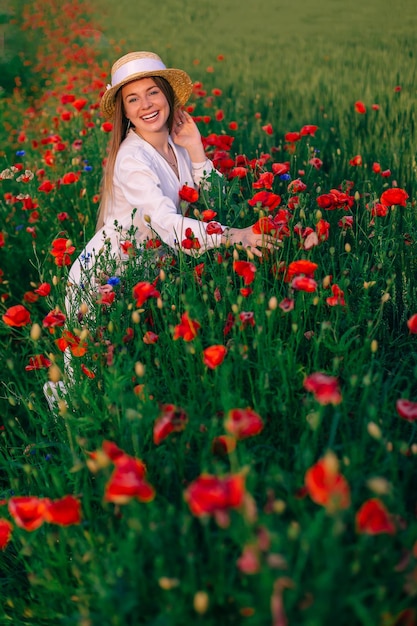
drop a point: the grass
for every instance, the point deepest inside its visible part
(285, 537)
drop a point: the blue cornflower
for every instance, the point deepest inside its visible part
(20, 153)
(285, 177)
(113, 280)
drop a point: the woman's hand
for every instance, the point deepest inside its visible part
(185, 133)
(249, 240)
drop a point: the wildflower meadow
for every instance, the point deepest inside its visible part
(233, 439)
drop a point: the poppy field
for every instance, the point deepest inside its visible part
(233, 438)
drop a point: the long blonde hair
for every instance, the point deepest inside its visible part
(120, 128)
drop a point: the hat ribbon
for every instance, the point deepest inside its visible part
(135, 67)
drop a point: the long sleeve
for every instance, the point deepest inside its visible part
(145, 183)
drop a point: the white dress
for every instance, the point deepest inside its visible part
(146, 187)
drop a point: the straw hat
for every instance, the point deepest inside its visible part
(137, 65)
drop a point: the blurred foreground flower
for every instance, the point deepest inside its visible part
(213, 356)
(407, 409)
(325, 388)
(374, 519)
(187, 329)
(171, 419)
(210, 495)
(16, 316)
(128, 479)
(30, 512)
(5, 532)
(243, 423)
(326, 486)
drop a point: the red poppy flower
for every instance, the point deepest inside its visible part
(128, 481)
(61, 250)
(107, 127)
(356, 161)
(322, 230)
(304, 283)
(5, 533)
(316, 163)
(373, 518)
(214, 228)
(171, 419)
(77, 346)
(265, 199)
(346, 222)
(127, 248)
(308, 129)
(213, 356)
(143, 291)
(247, 318)
(394, 196)
(188, 194)
(187, 329)
(238, 172)
(302, 266)
(325, 388)
(246, 269)
(54, 319)
(378, 209)
(287, 305)
(243, 423)
(337, 298)
(27, 511)
(265, 225)
(412, 324)
(79, 103)
(38, 362)
(279, 169)
(268, 129)
(208, 215)
(376, 168)
(190, 242)
(208, 494)
(292, 137)
(69, 178)
(297, 186)
(44, 289)
(46, 186)
(63, 512)
(233, 125)
(326, 486)
(265, 181)
(16, 316)
(407, 409)
(360, 107)
(150, 338)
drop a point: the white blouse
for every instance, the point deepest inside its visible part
(143, 180)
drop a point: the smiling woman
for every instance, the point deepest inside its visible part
(155, 150)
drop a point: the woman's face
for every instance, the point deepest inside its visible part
(145, 106)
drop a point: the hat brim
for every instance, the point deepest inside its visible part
(179, 80)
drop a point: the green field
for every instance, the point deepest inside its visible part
(275, 486)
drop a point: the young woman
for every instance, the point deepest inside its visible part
(155, 149)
